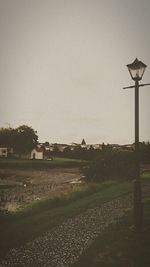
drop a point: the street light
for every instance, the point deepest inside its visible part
(136, 70)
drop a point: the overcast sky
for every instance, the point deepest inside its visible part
(63, 66)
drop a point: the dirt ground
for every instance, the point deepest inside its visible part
(20, 187)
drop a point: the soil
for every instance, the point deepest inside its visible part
(21, 187)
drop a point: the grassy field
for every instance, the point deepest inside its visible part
(20, 227)
(40, 164)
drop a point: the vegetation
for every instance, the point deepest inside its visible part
(119, 246)
(40, 164)
(145, 152)
(22, 226)
(25, 225)
(92, 154)
(111, 165)
(77, 153)
(22, 139)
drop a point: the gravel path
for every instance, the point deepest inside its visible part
(62, 246)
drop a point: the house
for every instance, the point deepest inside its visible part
(37, 153)
(61, 147)
(73, 146)
(3, 152)
(97, 146)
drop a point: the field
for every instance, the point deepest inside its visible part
(40, 164)
(20, 227)
(25, 181)
(51, 195)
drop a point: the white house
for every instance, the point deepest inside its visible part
(3, 152)
(37, 153)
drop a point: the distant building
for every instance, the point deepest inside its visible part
(61, 147)
(37, 153)
(97, 146)
(83, 142)
(73, 146)
(6, 152)
(3, 152)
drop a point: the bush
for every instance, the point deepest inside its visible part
(111, 165)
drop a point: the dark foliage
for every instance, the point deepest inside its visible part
(21, 139)
(81, 153)
(7, 137)
(111, 165)
(145, 152)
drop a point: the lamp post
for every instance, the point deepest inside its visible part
(136, 70)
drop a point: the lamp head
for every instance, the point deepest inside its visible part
(136, 69)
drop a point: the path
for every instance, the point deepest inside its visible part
(63, 245)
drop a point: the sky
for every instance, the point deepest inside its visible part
(63, 67)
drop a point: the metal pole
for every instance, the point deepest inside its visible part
(137, 184)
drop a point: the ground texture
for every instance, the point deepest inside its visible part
(63, 245)
(21, 187)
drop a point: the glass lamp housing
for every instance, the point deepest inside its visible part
(136, 69)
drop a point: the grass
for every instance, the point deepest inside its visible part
(23, 226)
(40, 164)
(87, 193)
(119, 246)
(5, 186)
(146, 175)
(59, 159)
(20, 227)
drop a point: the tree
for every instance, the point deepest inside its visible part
(111, 165)
(46, 144)
(6, 137)
(22, 139)
(25, 139)
(145, 152)
(56, 151)
(67, 150)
